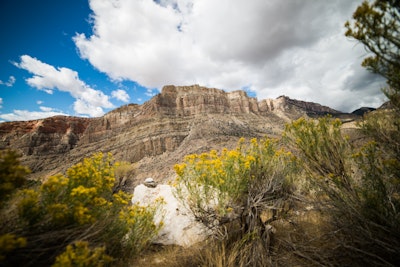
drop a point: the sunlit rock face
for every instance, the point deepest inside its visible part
(156, 135)
(53, 135)
(180, 227)
(43, 143)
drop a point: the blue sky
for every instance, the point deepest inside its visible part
(82, 58)
(43, 31)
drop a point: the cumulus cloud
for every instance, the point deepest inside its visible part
(9, 83)
(121, 95)
(24, 115)
(1, 102)
(46, 109)
(274, 47)
(48, 78)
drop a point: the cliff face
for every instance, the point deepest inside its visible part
(48, 136)
(155, 135)
(194, 100)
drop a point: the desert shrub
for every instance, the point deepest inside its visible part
(383, 126)
(122, 170)
(239, 193)
(12, 174)
(358, 192)
(8, 243)
(80, 206)
(79, 254)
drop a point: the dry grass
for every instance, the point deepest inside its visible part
(301, 240)
(298, 240)
(169, 256)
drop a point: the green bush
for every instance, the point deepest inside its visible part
(358, 191)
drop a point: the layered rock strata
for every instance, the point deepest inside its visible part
(156, 135)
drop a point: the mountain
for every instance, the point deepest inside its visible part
(363, 110)
(156, 135)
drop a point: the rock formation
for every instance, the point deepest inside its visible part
(156, 135)
(179, 224)
(42, 142)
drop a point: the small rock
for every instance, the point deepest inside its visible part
(149, 182)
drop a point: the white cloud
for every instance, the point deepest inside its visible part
(121, 95)
(46, 109)
(1, 102)
(39, 102)
(25, 115)
(9, 83)
(273, 47)
(48, 78)
(150, 92)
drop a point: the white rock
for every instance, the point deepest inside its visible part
(180, 226)
(149, 180)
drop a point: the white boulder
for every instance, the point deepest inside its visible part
(180, 226)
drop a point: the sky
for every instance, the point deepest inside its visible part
(86, 58)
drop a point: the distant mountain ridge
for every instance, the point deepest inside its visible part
(157, 134)
(363, 110)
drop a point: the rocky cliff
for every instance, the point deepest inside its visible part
(154, 136)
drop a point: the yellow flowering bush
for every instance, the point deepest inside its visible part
(136, 220)
(214, 181)
(80, 254)
(82, 205)
(325, 148)
(29, 206)
(10, 242)
(12, 174)
(234, 188)
(221, 187)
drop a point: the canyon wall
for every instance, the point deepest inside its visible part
(157, 134)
